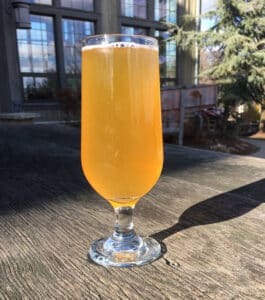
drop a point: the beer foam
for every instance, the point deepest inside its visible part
(120, 45)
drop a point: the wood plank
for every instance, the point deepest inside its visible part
(213, 233)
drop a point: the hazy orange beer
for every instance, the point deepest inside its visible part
(121, 146)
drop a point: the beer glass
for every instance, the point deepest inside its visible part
(121, 144)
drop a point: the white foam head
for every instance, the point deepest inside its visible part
(105, 45)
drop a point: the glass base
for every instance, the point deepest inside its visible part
(116, 253)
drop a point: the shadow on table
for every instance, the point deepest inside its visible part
(40, 164)
(217, 209)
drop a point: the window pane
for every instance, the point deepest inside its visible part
(47, 2)
(166, 10)
(206, 6)
(79, 4)
(73, 33)
(39, 88)
(133, 30)
(167, 54)
(133, 8)
(36, 46)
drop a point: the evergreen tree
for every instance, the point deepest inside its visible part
(238, 37)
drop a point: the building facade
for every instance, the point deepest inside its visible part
(36, 63)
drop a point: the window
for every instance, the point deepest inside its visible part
(166, 10)
(133, 30)
(206, 6)
(79, 4)
(73, 33)
(133, 8)
(36, 46)
(47, 2)
(167, 55)
(37, 58)
(39, 88)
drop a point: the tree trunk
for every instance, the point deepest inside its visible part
(262, 119)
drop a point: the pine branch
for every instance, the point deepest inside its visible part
(236, 44)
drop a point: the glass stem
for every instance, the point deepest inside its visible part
(124, 224)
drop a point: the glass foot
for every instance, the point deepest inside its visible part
(112, 252)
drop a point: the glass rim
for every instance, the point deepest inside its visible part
(153, 42)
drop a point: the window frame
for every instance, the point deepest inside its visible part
(166, 78)
(78, 20)
(151, 25)
(133, 10)
(78, 9)
(52, 3)
(57, 13)
(39, 74)
(168, 13)
(51, 76)
(135, 27)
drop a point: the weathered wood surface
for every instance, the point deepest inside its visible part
(207, 209)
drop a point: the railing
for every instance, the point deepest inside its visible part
(178, 103)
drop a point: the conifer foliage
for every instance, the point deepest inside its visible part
(238, 36)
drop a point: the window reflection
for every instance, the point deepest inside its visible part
(78, 4)
(133, 30)
(207, 22)
(47, 2)
(73, 33)
(133, 8)
(36, 46)
(166, 10)
(39, 88)
(167, 54)
(37, 58)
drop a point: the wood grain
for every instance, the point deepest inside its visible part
(207, 209)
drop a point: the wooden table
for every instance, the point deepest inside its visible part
(207, 210)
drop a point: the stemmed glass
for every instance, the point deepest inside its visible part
(121, 146)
